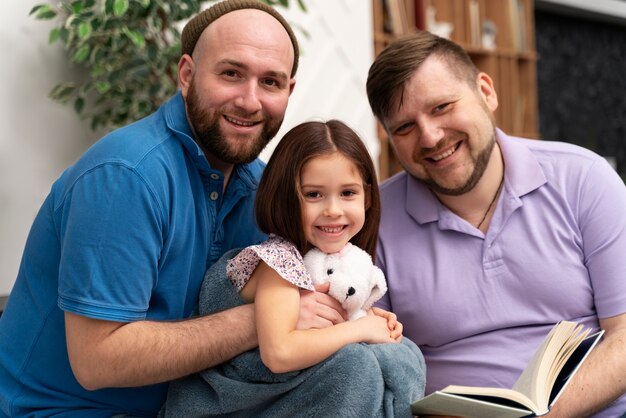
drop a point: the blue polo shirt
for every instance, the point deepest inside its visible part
(125, 234)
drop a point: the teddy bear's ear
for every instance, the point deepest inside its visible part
(379, 287)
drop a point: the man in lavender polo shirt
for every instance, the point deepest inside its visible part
(488, 240)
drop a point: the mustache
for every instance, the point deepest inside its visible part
(445, 143)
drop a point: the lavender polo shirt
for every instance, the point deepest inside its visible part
(479, 305)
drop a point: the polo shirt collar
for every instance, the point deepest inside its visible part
(522, 171)
(176, 120)
(522, 175)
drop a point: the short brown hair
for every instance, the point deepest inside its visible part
(395, 65)
(278, 200)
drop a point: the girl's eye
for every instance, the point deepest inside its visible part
(348, 193)
(312, 195)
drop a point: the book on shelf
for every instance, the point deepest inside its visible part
(517, 19)
(397, 17)
(420, 17)
(475, 31)
(521, 13)
(539, 386)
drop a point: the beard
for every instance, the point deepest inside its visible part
(480, 165)
(205, 124)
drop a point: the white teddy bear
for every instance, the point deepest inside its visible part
(354, 280)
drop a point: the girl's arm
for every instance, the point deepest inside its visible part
(283, 347)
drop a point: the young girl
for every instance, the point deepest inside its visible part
(319, 189)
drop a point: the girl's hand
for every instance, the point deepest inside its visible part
(395, 327)
(375, 329)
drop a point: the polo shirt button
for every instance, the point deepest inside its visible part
(214, 195)
(215, 176)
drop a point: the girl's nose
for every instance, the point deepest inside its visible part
(332, 208)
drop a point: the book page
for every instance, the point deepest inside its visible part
(503, 393)
(539, 375)
(544, 378)
(573, 364)
(440, 403)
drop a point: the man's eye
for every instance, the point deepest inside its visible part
(440, 108)
(271, 82)
(403, 129)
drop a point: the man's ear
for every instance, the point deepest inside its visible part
(186, 68)
(292, 85)
(487, 91)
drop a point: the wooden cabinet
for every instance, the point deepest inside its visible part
(499, 36)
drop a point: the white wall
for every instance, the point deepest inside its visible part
(333, 67)
(41, 137)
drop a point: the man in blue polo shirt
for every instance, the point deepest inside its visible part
(488, 240)
(117, 253)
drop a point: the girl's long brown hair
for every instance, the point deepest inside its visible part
(278, 199)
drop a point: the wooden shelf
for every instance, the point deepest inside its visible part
(509, 56)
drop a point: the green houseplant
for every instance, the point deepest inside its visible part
(128, 49)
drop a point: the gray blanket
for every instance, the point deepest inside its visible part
(359, 380)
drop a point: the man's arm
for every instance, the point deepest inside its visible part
(601, 378)
(111, 354)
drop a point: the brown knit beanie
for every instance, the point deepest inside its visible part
(194, 28)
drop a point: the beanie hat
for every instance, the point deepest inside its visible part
(194, 28)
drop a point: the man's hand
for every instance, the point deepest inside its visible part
(600, 379)
(318, 309)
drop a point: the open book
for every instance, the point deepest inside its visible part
(538, 387)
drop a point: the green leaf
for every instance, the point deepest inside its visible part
(84, 30)
(35, 8)
(120, 7)
(50, 14)
(136, 37)
(38, 9)
(144, 3)
(153, 52)
(64, 34)
(77, 7)
(62, 91)
(43, 12)
(54, 35)
(79, 105)
(103, 87)
(81, 55)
